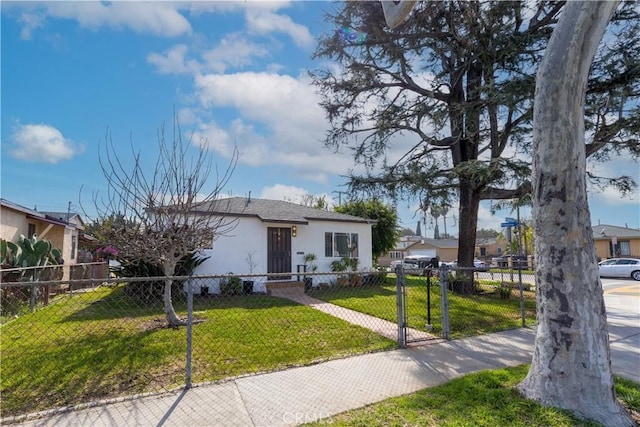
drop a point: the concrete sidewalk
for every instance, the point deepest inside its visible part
(305, 394)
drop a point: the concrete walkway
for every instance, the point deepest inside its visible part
(375, 324)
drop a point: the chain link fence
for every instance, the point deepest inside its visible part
(105, 339)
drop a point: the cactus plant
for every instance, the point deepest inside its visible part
(9, 251)
(35, 253)
(31, 252)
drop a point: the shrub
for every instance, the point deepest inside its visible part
(461, 283)
(154, 289)
(231, 286)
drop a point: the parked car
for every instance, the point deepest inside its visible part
(415, 264)
(478, 264)
(620, 267)
(517, 261)
(393, 264)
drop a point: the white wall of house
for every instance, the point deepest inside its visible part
(312, 241)
(230, 253)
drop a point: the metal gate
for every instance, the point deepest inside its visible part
(416, 317)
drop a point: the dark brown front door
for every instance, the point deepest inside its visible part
(278, 252)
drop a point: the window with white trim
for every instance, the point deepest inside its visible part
(338, 245)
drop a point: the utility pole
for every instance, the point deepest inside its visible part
(340, 193)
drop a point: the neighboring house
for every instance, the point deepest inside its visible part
(273, 236)
(399, 251)
(71, 219)
(612, 241)
(62, 231)
(490, 247)
(445, 249)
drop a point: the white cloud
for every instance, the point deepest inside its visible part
(162, 18)
(614, 168)
(612, 197)
(262, 21)
(283, 192)
(30, 22)
(213, 137)
(173, 61)
(232, 51)
(159, 18)
(187, 116)
(288, 104)
(279, 122)
(41, 143)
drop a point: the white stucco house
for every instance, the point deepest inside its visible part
(272, 236)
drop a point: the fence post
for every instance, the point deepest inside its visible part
(444, 301)
(32, 298)
(187, 380)
(522, 314)
(400, 306)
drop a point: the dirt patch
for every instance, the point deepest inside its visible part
(161, 323)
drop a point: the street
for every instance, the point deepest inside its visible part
(622, 299)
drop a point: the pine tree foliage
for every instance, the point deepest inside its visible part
(440, 108)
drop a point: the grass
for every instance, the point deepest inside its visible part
(100, 344)
(487, 398)
(470, 315)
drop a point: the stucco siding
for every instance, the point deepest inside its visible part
(13, 224)
(603, 247)
(229, 253)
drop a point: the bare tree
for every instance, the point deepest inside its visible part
(164, 222)
(571, 366)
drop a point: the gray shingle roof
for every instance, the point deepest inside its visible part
(62, 216)
(274, 211)
(605, 231)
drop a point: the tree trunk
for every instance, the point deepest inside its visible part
(571, 366)
(468, 213)
(468, 222)
(172, 318)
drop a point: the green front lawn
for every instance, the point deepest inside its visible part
(469, 315)
(101, 344)
(487, 398)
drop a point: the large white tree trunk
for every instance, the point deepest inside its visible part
(395, 13)
(571, 366)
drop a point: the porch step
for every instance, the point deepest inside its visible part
(278, 288)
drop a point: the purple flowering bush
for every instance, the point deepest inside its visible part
(107, 252)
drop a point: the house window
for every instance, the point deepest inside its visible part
(499, 250)
(624, 248)
(73, 246)
(483, 251)
(31, 230)
(341, 245)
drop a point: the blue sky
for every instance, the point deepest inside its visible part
(235, 72)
